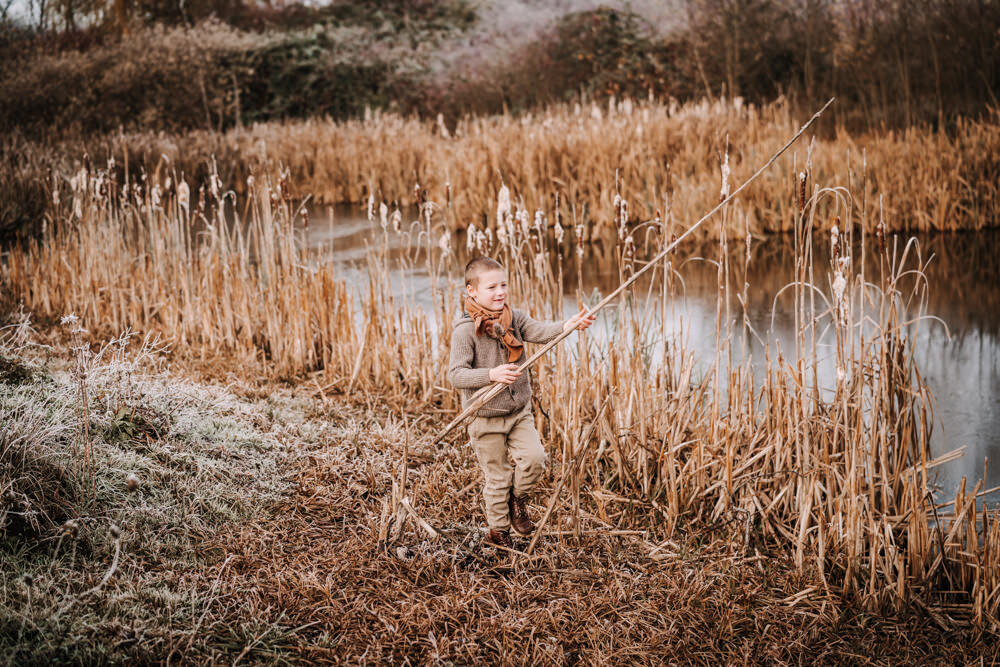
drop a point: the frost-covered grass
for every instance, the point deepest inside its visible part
(107, 534)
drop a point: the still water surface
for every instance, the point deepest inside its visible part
(959, 358)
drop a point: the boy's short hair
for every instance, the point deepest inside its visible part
(478, 266)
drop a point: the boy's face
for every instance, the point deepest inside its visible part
(490, 290)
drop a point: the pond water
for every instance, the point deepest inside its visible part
(959, 357)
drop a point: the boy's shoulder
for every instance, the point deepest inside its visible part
(519, 316)
(463, 326)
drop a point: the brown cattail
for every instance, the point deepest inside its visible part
(558, 215)
(803, 178)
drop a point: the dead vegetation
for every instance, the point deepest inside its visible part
(760, 517)
(663, 156)
(608, 596)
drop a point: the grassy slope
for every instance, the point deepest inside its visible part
(204, 460)
(254, 533)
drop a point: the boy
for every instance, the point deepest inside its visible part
(487, 346)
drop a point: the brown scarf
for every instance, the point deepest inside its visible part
(496, 324)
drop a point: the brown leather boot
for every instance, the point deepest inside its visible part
(499, 538)
(519, 519)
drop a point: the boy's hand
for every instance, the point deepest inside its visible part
(506, 373)
(580, 321)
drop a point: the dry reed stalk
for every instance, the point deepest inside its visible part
(571, 471)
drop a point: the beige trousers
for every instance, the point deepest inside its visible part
(494, 439)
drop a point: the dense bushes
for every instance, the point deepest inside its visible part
(208, 77)
(333, 60)
(892, 63)
(594, 53)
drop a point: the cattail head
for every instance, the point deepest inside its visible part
(184, 197)
(383, 215)
(524, 221)
(628, 254)
(115, 532)
(470, 236)
(620, 216)
(803, 179)
(503, 205)
(839, 286)
(442, 128)
(284, 175)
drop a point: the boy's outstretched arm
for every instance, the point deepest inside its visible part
(538, 331)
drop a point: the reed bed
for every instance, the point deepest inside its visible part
(662, 155)
(834, 478)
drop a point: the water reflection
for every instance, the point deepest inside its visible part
(960, 363)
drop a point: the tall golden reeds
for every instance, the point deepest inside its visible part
(837, 476)
(660, 154)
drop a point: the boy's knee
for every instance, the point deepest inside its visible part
(534, 461)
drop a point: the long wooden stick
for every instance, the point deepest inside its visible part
(485, 395)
